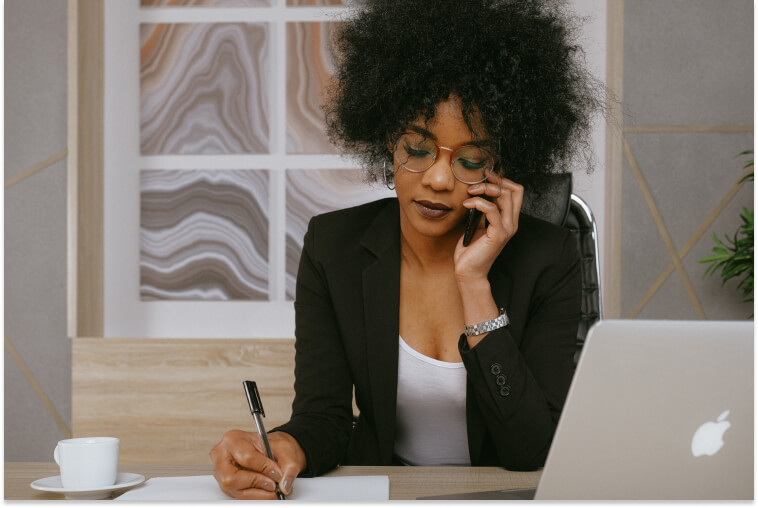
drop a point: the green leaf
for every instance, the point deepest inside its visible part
(734, 255)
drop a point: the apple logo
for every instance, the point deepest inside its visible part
(708, 437)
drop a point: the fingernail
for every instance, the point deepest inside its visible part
(275, 475)
(269, 485)
(286, 485)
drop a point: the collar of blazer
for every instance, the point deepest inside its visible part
(381, 297)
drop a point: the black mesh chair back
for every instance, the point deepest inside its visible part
(560, 206)
(582, 223)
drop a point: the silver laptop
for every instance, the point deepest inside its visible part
(656, 410)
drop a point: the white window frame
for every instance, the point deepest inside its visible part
(125, 315)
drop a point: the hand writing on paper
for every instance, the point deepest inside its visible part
(243, 471)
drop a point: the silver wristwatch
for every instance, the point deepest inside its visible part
(487, 326)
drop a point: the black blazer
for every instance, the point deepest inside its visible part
(346, 315)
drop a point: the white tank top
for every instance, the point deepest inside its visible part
(431, 411)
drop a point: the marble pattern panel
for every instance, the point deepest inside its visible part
(309, 69)
(204, 234)
(312, 192)
(204, 88)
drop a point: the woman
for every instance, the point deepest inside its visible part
(458, 354)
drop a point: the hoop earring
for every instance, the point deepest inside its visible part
(384, 174)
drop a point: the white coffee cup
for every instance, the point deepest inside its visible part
(87, 462)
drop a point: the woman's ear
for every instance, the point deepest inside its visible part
(391, 141)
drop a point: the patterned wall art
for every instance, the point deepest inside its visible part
(309, 67)
(312, 192)
(205, 3)
(204, 234)
(204, 88)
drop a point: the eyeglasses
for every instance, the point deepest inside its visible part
(470, 163)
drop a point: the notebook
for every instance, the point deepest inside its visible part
(656, 410)
(205, 489)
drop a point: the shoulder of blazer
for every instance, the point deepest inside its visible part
(538, 230)
(369, 226)
(536, 240)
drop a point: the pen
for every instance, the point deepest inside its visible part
(256, 407)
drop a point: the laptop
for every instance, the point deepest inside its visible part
(656, 410)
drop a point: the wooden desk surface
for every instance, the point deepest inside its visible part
(405, 482)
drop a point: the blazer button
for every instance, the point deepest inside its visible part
(505, 391)
(495, 369)
(500, 380)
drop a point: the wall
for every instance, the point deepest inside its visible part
(688, 112)
(37, 350)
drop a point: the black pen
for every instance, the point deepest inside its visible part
(256, 407)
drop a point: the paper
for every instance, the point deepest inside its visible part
(205, 488)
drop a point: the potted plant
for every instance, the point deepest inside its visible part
(735, 256)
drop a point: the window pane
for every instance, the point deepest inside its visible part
(204, 235)
(309, 68)
(204, 88)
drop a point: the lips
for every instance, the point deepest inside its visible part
(432, 210)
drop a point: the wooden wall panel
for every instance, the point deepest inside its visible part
(171, 400)
(85, 186)
(611, 276)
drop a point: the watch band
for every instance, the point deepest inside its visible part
(487, 326)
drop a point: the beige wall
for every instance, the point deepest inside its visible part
(37, 351)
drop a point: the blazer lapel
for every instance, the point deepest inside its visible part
(381, 297)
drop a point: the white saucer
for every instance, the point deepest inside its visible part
(53, 484)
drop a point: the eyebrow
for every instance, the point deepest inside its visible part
(429, 134)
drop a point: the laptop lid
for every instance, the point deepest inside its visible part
(657, 410)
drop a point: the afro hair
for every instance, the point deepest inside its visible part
(515, 63)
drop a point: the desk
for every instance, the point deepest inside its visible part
(405, 482)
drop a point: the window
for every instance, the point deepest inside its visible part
(215, 160)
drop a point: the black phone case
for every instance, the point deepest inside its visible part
(472, 218)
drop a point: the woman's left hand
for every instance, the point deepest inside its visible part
(502, 212)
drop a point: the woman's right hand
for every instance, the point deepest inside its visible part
(243, 471)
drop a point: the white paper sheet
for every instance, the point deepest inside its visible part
(205, 488)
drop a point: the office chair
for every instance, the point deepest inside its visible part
(560, 206)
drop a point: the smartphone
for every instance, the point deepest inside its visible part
(472, 219)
